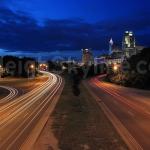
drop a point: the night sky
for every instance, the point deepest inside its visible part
(61, 28)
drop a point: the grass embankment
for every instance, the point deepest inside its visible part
(132, 80)
(79, 124)
(135, 71)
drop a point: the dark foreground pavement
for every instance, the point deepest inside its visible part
(78, 123)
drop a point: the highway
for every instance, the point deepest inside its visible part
(130, 106)
(19, 117)
(12, 94)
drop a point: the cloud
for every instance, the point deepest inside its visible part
(21, 32)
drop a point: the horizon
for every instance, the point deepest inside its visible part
(64, 28)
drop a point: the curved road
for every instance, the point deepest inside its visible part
(12, 94)
(19, 117)
(130, 106)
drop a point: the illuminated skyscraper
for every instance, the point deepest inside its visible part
(87, 57)
(114, 50)
(111, 46)
(129, 44)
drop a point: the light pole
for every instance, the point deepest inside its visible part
(32, 67)
(1, 70)
(116, 68)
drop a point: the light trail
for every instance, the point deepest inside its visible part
(12, 94)
(131, 104)
(18, 118)
(130, 107)
(14, 113)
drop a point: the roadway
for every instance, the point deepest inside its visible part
(12, 94)
(19, 117)
(130, 106)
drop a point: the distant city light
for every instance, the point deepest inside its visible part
(32, 66)
(64, 68)
(115, 68)
(43, 67)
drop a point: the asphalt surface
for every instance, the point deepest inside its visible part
(12, 94)
(19, 117)
(130, 106)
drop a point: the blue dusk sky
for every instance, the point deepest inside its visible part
(61, 28)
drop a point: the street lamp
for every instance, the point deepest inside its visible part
(43, 67)
(1, 70)
(31, 70)
(32, 66)
(115, 68)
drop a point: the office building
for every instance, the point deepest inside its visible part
(129, 44)
(87, 57)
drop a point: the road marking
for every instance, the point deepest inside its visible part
(121, 129)
(122, 99)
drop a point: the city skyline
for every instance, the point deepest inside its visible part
(64, 28)
(74, 75)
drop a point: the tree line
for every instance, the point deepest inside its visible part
(18, 67)
(137, 72)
